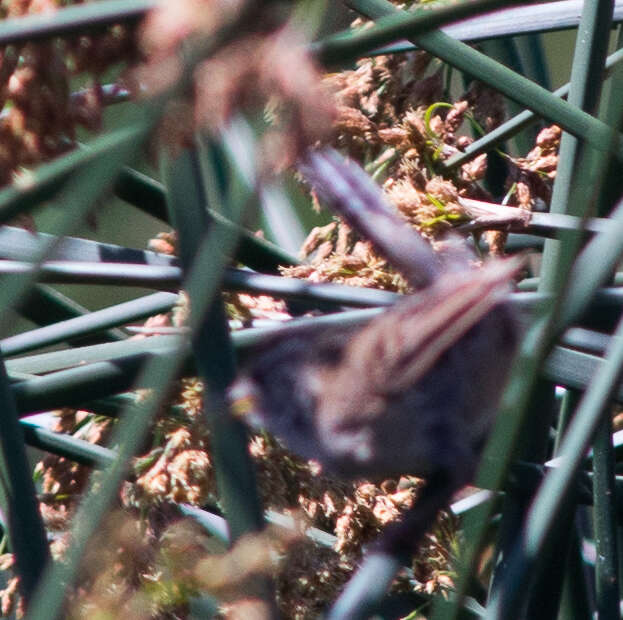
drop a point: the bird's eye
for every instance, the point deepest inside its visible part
(331, 355)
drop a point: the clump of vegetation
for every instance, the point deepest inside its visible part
(152, 498)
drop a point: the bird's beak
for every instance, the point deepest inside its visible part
(242, 397)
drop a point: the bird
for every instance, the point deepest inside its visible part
(414, 391)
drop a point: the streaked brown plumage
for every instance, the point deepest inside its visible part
(413, 391)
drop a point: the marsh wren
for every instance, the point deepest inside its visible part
(412, 392)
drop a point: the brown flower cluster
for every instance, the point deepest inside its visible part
(244, 309)
(533, 174)
(333, 253)
(62, 480)
(178, 468)
(39, 115)
(150, 563)
(392, 117)
(529, 182)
